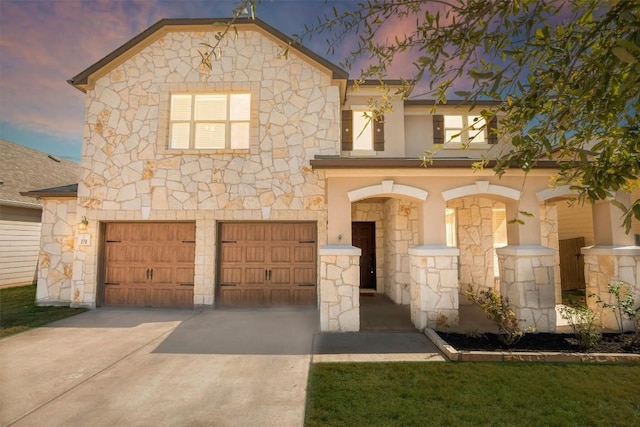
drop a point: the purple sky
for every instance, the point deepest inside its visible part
(43, 43)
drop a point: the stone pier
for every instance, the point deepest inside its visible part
(527, 280)
(340, 288)
(434, 286)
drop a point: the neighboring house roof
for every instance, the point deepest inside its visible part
(70, 190)
(85, 79)
(23, 169)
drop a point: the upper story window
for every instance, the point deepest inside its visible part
(209, 121)
(463, 130)
(361, 132)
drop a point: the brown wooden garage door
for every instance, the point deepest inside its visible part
(149, 264)
(267, 264)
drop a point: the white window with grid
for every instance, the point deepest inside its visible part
(209, 121)
(465, 129)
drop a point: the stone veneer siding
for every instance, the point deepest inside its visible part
(434, 287)
(475, 241)
(527, 280)
(130, 174)
(401, 232)
(549, 238)
(604, 265)
(340, 289)
(56, 259)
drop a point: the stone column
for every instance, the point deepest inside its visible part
(527, 280)
(613, 258)
(340, 288)
(434, 286)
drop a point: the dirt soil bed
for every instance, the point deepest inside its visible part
(611, 343)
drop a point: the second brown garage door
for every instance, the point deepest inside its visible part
(267, 264)
(149, 264)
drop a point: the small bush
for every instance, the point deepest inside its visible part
(623, 307)
(583, 324)
(497, 309)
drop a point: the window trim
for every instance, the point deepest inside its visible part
(439, 133)
(193, 122)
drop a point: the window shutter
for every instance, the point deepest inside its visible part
(491, 128)
(438, 129)
(347, 130)
(378, 134)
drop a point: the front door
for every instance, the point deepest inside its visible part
(364, 237)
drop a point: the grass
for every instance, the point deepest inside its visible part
(472, 394)
(19, 313)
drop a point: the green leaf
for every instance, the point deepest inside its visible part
(624, 55)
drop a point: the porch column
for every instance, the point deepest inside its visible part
(613, 258)
(339, 288)
(527, 280)
(432, 221)
(527, 234)
(434, 286)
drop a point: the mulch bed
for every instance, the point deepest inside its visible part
(611, 343)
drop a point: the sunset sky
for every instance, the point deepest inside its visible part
(43, 43)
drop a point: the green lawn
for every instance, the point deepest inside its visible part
(18, 311)
(472, 394)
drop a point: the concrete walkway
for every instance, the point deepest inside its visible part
(160, 367)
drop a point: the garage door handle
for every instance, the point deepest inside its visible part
(186, 284)
(306, 284)
(229, 241)
(112, 283)
(188, 241)
(228, 284)
(307, 241)
(151, 274)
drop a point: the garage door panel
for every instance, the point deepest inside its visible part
(304, 254)
(280, 297)
(231, 275)
(255, 254)
(126, 274)
(232, 253)
(254, 276)
(184, 275)
(305, 233)
(283, 233)
(162, 275)
(266, 261)
(114, 294)
(280, 254)
(304, 296)
(149, 262)
(280, 276)
(304, 275)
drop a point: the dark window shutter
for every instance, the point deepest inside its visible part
(347, 130)
(492, 126)
(438, 129)
(378, 134)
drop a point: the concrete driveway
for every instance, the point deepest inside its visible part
(143, 367)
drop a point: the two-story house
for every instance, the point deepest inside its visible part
(261, 182)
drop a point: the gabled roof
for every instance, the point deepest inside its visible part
(83, 81)
(23, 169)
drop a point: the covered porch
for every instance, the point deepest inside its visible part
(412, 259)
